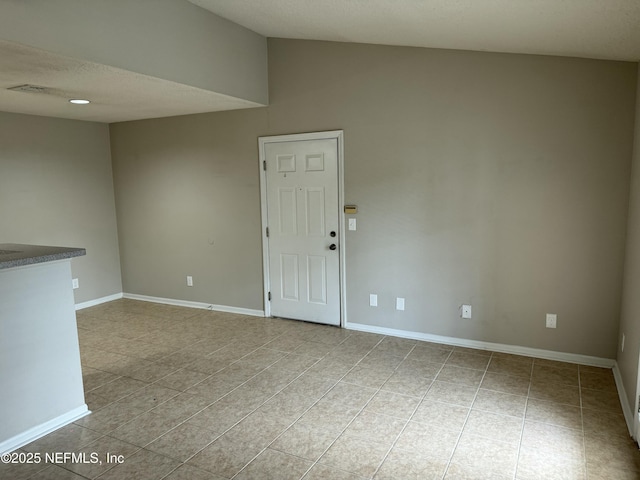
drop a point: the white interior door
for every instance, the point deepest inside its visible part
(303, 222)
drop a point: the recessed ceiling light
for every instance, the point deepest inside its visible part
(79, 101)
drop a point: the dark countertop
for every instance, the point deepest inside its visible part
(18, 255)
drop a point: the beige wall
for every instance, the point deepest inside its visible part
(56, 188)
(494, 179)
(188, 203)
(630, 318)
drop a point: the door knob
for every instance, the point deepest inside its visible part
(332, 234)
(332, 246)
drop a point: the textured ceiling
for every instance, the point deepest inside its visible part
(115, 94)
(604, 29)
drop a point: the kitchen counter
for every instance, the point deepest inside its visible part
(40, 372)
(18, 255)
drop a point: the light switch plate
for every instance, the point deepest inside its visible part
(352, 224)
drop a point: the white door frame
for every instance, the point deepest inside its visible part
(636, 415)
(262, 141)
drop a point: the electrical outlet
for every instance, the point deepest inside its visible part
(189, 281)
(399, 303)
(465, 311)
(552, 319)
(76, 283)
(373, 300)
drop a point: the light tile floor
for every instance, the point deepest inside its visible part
(191, 394)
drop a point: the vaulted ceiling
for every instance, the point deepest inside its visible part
(603, 29)
(153, 30)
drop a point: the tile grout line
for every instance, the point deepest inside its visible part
(584, 437)
(253, 411)
(180, 392)
(484, 373)
(359, 411)
(102, 434)
(524, 418)
(266, 401)
(393, 444)
(341, 379)
(180, 349)
(228, 393)
(315, 403)
(207, 406)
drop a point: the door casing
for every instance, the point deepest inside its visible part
(636, 411)
(262, 141)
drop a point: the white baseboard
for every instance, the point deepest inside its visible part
(43, 429)
(186, 303)
(622, 393)
(98, 301)
(495, 347)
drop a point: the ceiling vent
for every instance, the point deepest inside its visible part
(29, 89)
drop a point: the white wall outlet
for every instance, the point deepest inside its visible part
(352, 224)
(399, 303)
(373, 300)
(189, 281)
(552, 319)
(76, 283)
(465, 311)
(622, 344)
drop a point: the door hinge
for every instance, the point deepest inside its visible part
(267, 231)
(269, 296)
(264, 165)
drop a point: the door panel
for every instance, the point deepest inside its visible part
(317, 279)
(286, 163)
(315, 212)
(302, 211)
(289, 277)
(288, 211)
